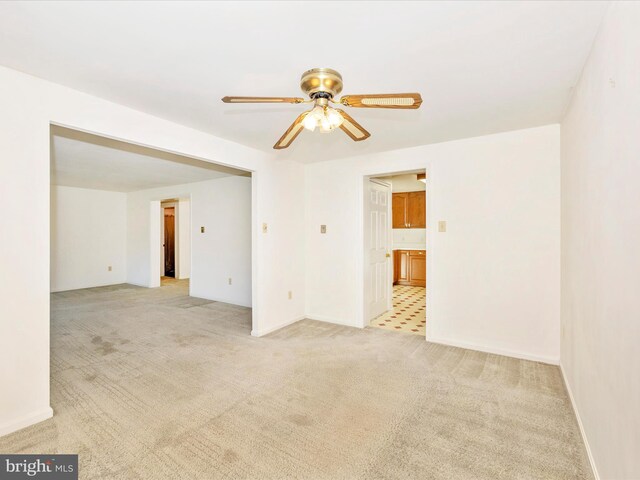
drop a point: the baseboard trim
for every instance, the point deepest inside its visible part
(335, 321)
(110, 284)
(580, 426)
(496, 351)
(26, 421)
(265, 331)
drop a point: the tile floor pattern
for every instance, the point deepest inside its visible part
(409, 311)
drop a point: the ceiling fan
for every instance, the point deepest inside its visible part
(322, 85)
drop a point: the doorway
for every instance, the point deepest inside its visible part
(168, 249)
(395, 276)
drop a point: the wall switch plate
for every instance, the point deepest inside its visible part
(201, 229)
(229, 280)
(264, 228)
(290, 294)
(109, 268)
(323, 229)
(442, 226)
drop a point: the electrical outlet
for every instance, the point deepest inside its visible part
(229, 280)
(442, 226)
(201, 229)
(323, 229)
(109, 268)
(290, 294)
(264, 228)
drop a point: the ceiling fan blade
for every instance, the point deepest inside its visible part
(262, 100)
(386, 100)
(353, 128)
(292, 132)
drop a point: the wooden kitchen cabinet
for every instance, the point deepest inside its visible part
(401, 267)
(409, 210)
(399, 205)
(410, 268)
(418, 268)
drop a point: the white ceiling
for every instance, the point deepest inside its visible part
(481, 67)
(88, 161)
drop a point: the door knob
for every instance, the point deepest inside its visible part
(388, 255)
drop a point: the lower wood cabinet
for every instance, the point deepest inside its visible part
(410, 268)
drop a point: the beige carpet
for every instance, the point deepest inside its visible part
(153, 384)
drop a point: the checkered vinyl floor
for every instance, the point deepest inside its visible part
(409, 311)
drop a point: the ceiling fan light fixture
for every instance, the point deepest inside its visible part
(322, 85)
(325, 125)
(310, 122)
(314, 118)
(325, 118)
(334, 117)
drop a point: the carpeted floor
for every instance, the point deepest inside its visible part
(153, 384)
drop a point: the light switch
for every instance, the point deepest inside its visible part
(201, 229)
(442, 226)
(264, 228)
(323, 229)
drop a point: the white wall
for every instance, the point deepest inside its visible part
(183, 244)
(406, 183)
(223, 251)
(29, 105)
(409, 238)
(223, 207)
(283, 244)
(494, 276)
(601, 246)
(88, 234)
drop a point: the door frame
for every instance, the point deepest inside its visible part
(176, 235)
(140, 138)
(367, 271)
(363, 179)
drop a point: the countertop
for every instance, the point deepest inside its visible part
(409, 248)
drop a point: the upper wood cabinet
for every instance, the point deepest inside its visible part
(399, 207)
(417, 210)
(409, 210)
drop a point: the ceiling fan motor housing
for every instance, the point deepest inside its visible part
(321, 82)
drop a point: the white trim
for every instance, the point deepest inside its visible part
(260, 333)
(26, 421)
(497, 351)
(360, 257)
(238, 304)
(176, 236)
(336, 321)
(579, 420)
(138, 285)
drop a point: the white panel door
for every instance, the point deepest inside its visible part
(378, 249)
